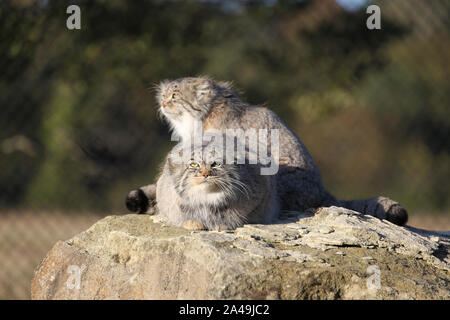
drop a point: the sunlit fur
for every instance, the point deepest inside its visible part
(217, 106)
(297, 185)
(185, 100)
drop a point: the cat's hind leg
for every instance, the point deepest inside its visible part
(381, 207)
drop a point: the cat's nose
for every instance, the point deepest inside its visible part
(164, 104)
(205, 174)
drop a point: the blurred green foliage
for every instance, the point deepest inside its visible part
(78, 121)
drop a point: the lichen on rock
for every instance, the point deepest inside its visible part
(333, 253)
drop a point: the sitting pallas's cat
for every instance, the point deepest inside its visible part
(299, 187)
(207, 192)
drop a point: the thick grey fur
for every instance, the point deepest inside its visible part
(299, 185)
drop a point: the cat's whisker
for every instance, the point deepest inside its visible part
(240, 186)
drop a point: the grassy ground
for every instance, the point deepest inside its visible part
(26, 236)
(438, 221)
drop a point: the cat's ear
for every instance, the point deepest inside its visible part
(203, 87)
(225, 84)
(176, 157)
(172, 158)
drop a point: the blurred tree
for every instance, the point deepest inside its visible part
(79, 100)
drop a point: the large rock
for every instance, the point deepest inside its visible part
(332, 254)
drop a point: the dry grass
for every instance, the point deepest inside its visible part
(26, 236)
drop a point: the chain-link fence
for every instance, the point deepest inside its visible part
(78, 125)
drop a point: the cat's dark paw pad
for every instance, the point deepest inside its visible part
(397, 214)
(137, 201)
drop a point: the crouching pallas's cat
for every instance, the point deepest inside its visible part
(185, 101)
(206, 192)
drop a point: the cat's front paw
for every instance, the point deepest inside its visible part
(137, 201)
(193, 225)
(221, 227)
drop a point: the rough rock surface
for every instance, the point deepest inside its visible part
(333, 253)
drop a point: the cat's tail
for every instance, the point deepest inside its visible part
(141, 200)
(380, 207)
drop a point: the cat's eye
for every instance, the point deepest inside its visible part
(175, 96)
(194, 165)
(215, 165)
